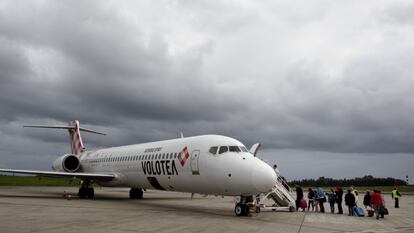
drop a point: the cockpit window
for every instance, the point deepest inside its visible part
(223, 149)
(213, 150)
(243, 149)
(234, 149)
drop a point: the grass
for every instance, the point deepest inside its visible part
(48, 181)
(363, 189)
(36, 181)
(386, 189)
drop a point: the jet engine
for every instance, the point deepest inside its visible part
(66, 163)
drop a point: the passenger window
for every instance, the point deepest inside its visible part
(213, 150)
(234, 149)
(223, 149)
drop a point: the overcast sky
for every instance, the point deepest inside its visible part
(327, 87)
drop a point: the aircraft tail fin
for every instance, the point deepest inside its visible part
(74, 129)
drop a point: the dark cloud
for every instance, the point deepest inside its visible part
(329, 78)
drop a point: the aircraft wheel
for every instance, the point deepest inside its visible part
(132, 193)
(246, 209)
(291, 209)
(140, 193)
(91, 192)
(82, 192)
(136, 193)
(239, 210)
(257, 210)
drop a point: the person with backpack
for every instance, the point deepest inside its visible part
(331, 199)
(395, 194)
(355, 192)
(350, 202)
(339, 193)
(320, 198)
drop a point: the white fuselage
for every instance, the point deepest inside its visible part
(164, 165)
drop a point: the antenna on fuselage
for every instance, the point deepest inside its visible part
(181, 134)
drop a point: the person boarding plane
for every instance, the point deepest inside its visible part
(206, 164)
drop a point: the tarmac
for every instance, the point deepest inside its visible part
(43, 209)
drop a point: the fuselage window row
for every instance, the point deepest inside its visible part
(132, 158)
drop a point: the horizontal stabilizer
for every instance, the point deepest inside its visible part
(63, 127)
(73, 175)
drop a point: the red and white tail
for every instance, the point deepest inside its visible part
(74, 129)
(76, 143)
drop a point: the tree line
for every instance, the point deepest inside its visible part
(357, 181)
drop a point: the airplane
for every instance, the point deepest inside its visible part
(206, 164)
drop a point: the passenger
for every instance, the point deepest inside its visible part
(339, 193)
(276, 170)
(350, 202)
(367, 199)
(332, 200)
(376, 202)
(382, 208)
(321, 198)
(284, 183)
(299, 196)
(355, 192)
(311, 199)
(396, 196)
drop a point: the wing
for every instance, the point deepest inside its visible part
(80, 175)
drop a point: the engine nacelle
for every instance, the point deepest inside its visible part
(66, 163)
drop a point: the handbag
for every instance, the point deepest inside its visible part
(383, 210)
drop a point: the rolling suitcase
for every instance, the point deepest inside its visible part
(303, 204)
(359, 211)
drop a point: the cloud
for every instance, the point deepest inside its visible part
(315, 77)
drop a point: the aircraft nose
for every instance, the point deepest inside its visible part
(264, 177)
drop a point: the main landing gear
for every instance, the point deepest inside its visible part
(86, 190)
(243, 207)
(136, 193)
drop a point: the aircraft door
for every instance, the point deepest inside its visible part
(195, 155)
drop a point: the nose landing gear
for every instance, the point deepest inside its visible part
(244, 206)
(241, 209)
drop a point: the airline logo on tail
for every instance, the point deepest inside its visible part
(75, 138)
(183, 156)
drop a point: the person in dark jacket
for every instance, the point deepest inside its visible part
(350, 202)
(311, 199)
(299, 196)
(339, 193)
(367, 199)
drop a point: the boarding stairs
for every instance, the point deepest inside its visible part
(280, 198)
